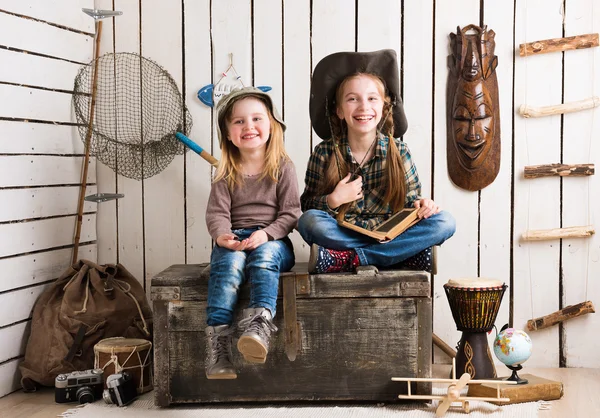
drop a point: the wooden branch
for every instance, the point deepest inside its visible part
(548, 234)
(88, 138)
(537, 112)
(547, 170)
(569, 312)
(443, 346)
(559, 44)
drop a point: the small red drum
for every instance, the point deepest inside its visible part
(475, 304)
(132, 355)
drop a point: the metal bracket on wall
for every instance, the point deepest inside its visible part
(101, 14)
(103, 197)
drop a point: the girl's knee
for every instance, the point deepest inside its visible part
(269, 255)
(270, 250)
(447, 224)
(230, 261)
(309, 218)
(313, 223)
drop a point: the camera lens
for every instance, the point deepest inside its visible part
(85, 395)
(106, 396)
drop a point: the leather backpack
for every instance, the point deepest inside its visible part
(87, 303)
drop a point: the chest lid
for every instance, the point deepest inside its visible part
(190, 282)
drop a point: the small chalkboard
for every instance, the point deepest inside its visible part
(391, 228)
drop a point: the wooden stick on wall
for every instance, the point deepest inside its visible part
(537, 112)
(569, 312)
(88, 138)
(549, 234)
(559, 44)
(548, 170)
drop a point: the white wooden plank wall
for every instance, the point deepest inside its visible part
(495, 207)
(297, 64)
(107, 211)
(130, 208)
(198, 73)
(42, 46)
(277, 43)
(460, 256)
(580, 202)
(164, 223)
(537, 202)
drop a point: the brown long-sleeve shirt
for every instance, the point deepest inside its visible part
(273, 207)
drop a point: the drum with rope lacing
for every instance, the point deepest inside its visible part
(474, 304)
(132, 355)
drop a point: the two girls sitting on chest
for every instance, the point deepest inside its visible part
(361, 172)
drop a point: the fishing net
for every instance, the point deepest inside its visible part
(137, 111)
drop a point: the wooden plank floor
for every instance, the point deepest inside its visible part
(581, 399)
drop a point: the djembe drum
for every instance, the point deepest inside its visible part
(132, 355)
(474, 304)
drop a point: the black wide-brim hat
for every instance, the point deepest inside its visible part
(334, 68)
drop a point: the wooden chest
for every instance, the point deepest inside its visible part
(341, 337)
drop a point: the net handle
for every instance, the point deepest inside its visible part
(88, 137)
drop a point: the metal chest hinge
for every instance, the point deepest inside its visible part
(165, 293)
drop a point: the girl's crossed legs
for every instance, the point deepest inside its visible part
(318, 227)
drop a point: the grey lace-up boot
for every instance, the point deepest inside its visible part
(218, 353)
(257, 326)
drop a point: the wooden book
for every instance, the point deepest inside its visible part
(537, 389)
(391, 228)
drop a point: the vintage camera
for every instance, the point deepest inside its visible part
(121, 389)
(83, 386)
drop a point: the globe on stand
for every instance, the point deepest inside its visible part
(513, 347)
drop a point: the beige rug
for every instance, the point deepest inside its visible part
(144, 407)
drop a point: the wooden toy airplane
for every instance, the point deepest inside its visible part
(454, 388)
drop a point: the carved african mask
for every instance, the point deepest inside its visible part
(473, 127)
(473, 117)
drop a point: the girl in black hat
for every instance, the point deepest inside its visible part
(362, 173)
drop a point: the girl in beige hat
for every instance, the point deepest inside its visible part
(253, 205)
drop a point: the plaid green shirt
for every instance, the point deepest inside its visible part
(369, 211)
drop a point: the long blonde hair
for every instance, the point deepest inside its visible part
(229, 167)
(394, 182)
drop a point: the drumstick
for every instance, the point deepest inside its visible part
(443, 346)
(197, 149)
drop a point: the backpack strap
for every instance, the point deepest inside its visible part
(76, 343)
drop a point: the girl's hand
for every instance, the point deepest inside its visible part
(257, 239)
(427, 207)
(345, 191)
(231, 242)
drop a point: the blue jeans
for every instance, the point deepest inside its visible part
(318, 227)
(230, 269)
